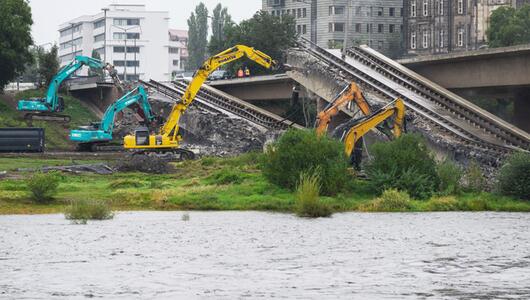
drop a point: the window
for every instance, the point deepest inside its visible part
(99, 23)
(99, 37)
(100, 51)
(358, 27)
(299, 29)
(299, 13)
(174, 50)
(425, 8)
(368, 26)
(425, 39)
(304, 29)
(379, 11)
(380, 28)
(391, 28)
(130, 63)
(413, 8)
(126, 22)
(175, 62)
(413, 40)
(336, 10)
(336, 27)
(358, 10)
(441, 7)
(401, 12)
(391, 11)
(304, 12)
(460, 7)
(133, 49)
(442, 37)
(460, 37)
(118, 49)
(123, 35)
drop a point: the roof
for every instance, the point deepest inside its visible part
(178, 32)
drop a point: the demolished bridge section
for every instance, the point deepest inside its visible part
(447, 120)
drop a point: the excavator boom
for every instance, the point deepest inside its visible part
(351, 93)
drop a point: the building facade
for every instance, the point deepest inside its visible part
(442, 26)
(331, 23)
(136, 41)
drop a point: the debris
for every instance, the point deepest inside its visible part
(144, 163)
(100, 168)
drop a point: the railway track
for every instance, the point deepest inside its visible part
(214, 100)
(452, 114)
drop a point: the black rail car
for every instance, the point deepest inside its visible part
(21, 139)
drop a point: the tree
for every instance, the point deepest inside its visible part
(197, 36)
(509, 27)
(15, 39)
(48, 64)
(265, 32)
(220, 21)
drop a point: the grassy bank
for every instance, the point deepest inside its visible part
(56, 134)
(208, 184)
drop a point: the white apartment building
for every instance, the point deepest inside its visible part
(136, 41)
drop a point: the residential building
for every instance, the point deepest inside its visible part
(136, 41)
(377, 23)
(178, 51)
(442, 26)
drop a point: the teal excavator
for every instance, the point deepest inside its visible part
(97, 136)
(46, 109)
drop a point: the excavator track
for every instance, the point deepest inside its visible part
(47, 117)
(169, 154)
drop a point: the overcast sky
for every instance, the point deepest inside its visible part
(48, 14)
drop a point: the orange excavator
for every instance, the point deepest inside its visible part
(357, 128)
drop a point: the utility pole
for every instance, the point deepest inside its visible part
(125, 30)
(105, 35)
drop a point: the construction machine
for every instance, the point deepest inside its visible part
(98, 135)
(356, 128)
(168, 139)
(46, 109)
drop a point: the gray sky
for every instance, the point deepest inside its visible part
(48, 14)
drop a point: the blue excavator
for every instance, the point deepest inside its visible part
(98, 135)
(46, 109)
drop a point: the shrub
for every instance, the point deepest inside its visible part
(226, 176)
(474, 180)
(43, 186)
(514, 177)
(88, 210)
(307, 201)
(442, 204)
(125, 183)
(391, 200)
(405, 164)
(299, 151)
(450, 175)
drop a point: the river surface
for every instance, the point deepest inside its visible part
(234, 255)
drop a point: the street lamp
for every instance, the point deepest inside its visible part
(125, 30)
(105, 35)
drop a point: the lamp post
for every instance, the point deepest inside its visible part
(125, 30)
(105, 34)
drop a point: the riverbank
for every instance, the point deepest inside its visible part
(207, 184)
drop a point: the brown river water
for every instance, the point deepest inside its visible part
(235, 255)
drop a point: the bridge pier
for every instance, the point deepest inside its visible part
(522, 109)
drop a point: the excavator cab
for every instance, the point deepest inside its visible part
(142, 136)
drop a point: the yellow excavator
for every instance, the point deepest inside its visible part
(357, 128)
(168, 139)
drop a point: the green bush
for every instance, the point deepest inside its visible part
(43, 186)
(299, 151)
(514, 177)
(450, 175)
(307, 201)
(391, 200)
(88, 210)
(442, 204)
(226, 176)
(474, 180)
(404, 164)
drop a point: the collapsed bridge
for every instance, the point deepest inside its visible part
(466, 127)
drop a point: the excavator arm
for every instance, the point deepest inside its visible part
(360, 129)
(351, 93)
(210, 65)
